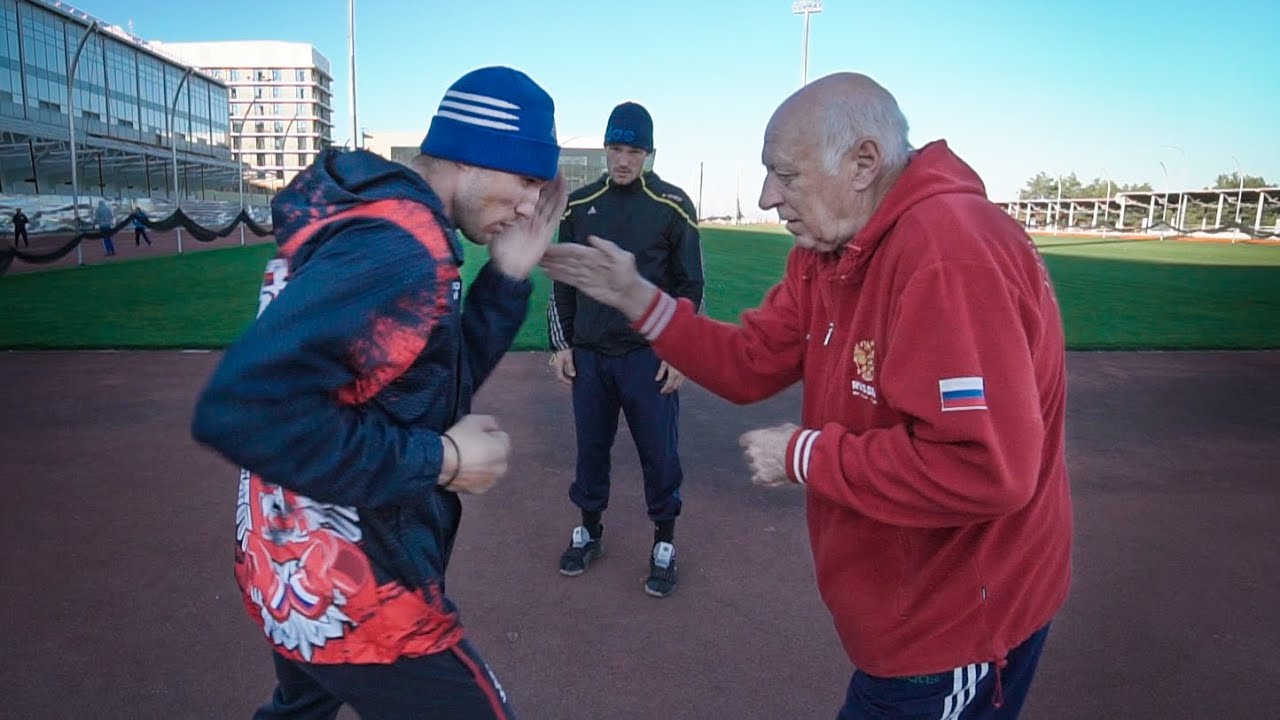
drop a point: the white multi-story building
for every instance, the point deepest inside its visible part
(281, 96)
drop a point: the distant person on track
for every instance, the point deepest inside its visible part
(103, 218)
(20, 222)
(139, 227)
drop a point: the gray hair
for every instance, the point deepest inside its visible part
(849, 119)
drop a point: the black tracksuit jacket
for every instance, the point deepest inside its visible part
(650, 218)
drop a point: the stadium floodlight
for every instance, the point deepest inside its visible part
(806, 8)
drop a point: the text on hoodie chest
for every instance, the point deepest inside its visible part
(843, 356)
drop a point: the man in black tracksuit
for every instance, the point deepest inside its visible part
(609, 365)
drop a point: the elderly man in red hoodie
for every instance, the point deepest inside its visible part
(925, 329)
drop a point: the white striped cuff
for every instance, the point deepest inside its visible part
(801, 454)
(658, 316)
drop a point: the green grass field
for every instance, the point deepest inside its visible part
(1114, 294)
(1166, 295)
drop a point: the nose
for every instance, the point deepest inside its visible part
(528, 202)
(769, 196)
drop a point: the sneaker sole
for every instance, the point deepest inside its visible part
(654, 593)
(586, 564)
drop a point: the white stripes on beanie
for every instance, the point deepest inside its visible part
(470, 108)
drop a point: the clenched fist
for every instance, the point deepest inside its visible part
(479, 458)
(765, 451)
(562, 366)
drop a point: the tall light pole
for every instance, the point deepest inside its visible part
(244, 123)
(1106, 212)
(1106, 208)
(1240, 192)
(1165, 210)
(699, 191)
(806, 8)
(173, 140)
(1182, 180)
(356, 140)
(284, 140)
(1057, 206)
(71, 134)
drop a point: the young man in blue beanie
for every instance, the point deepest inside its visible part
(347, 403)
(610, 366)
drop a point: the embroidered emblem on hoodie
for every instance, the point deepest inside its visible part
(864, 362)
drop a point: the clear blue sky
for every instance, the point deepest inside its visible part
(1092, 87)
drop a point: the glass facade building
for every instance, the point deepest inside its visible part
(130, 101)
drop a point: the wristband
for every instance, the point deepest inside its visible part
(457, 465)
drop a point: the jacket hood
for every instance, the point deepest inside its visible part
(341, 180)
(933, 170)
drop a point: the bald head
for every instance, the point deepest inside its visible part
(841, 109)
(831, 153)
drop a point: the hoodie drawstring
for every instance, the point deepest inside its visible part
(997, 696)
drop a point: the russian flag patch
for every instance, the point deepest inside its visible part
(963, 393)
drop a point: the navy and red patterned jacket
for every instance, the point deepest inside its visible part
(333, 402)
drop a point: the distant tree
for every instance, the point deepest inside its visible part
(1097, 188)
(1227, 181)
(1135, 187)
(1045, 186)
(1071, 187)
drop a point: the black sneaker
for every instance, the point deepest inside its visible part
(662, 570)
(581, 551)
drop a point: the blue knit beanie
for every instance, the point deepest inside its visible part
(630, 124)
(496, 118)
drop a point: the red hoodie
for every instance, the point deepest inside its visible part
(932, 355)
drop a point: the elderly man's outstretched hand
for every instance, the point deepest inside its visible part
(603, 271)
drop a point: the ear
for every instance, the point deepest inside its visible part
(866, 158)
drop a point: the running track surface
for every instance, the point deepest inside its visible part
(117, 598)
